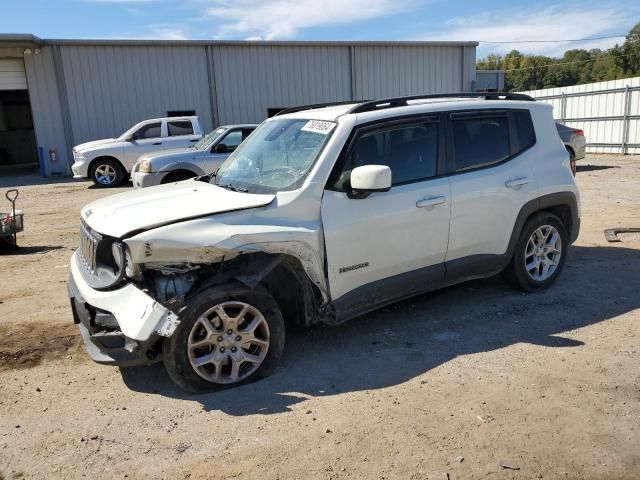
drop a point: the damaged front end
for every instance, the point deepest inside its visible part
(127, 296)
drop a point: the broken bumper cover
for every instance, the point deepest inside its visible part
(119, 327)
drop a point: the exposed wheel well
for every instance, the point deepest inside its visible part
(176, 174)
(297, 297)
(282, 275)
(563, 212)
(106, 157)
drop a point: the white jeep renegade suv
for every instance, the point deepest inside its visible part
(324, 213)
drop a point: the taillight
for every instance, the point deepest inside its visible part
(579, 133)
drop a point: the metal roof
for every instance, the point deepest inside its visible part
(29, 39)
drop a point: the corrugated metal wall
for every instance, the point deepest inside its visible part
(388, 71)
(600, 110)
(87, 91)
(251, 79)
(110, 88)
(46, 111)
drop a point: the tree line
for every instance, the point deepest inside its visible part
(576, 66)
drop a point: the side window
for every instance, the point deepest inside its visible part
(411, 151)
(479, 141)
(150, 130)
(177, 128)
(524, 128)
(246, 132)
(232, 139)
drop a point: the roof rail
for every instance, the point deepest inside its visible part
(317, 105)
(403, 101)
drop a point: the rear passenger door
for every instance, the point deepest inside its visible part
(491, 179)
(180, 134)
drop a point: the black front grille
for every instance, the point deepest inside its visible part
(88, 248)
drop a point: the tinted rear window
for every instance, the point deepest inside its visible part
(179, 127)
(524, 127)
(480, 141)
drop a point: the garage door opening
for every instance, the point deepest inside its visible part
(17, 138)
(18, 149)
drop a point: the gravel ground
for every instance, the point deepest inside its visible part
(474, 381)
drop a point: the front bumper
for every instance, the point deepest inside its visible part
(118, 327)
(80, 168)
(142, 180)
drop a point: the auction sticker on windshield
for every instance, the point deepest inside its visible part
(318, 126)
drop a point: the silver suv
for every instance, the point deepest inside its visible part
(201, 158)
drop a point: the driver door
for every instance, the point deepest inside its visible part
(147, 138)
(391, 244)
(231, 140)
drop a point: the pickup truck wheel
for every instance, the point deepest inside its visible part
(228, 335)
(539, 254)
(106, 173)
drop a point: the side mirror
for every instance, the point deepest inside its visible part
(370, 178)
(220, 148)
(130, 138)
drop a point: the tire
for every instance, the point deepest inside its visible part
(178, 177)
(530, 250)
(106, 173)
(200, 357)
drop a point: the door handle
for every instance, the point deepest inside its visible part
(516, 182)
(430, 202)
(194, 140)
(157, 143)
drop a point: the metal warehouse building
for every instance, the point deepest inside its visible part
(55, 94)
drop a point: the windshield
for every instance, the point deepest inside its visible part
(208, 140)
(276, 156)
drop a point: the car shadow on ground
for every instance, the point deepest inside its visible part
(124, 184)
(28, 250)
(408, 339)
(593, 168)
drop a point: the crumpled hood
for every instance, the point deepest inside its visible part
(95, 143)
(175, 154)
(146, 208)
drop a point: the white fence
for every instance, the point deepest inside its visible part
(608, 112)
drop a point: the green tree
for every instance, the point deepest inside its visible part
(576, 66)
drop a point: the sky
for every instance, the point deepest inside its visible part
(487, 20)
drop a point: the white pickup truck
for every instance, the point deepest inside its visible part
(109, 162)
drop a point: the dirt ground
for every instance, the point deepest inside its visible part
(471, 382)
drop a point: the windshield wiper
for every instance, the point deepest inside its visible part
(233, 188)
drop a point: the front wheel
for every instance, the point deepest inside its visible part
(228, 335)
(107, 173)
(177, 177)
(539, 254)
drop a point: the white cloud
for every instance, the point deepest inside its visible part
(565, 22)
(168, 32)
(276, 19)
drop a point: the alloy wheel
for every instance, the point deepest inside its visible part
(105, 174)
(543, 252)
(228, 342)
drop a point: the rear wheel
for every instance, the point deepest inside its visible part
(539, 254)
(228, 335)
(107, 173)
